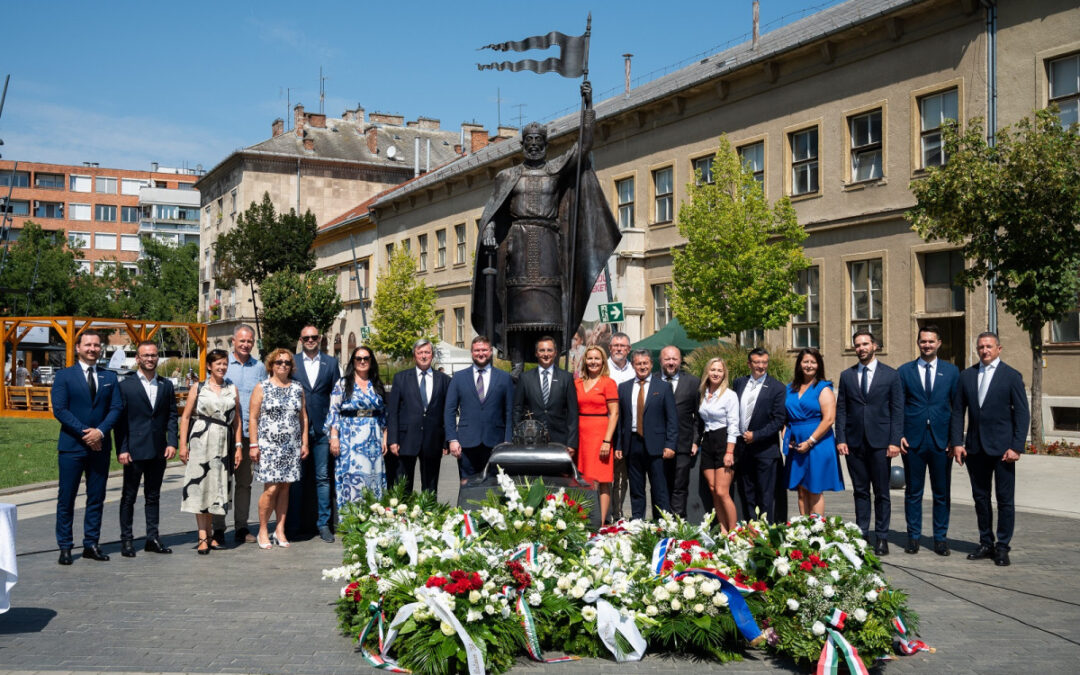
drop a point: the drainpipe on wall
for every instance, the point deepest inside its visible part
(991, 132)
(297, 186)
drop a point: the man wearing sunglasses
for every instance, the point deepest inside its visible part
(317, 373)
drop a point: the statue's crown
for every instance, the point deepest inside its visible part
(534, 128)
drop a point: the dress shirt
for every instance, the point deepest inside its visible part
(633, 400)
(245, 376)
(311, 367)
(485, 373)
(925, 365)
(749, 401)
(673, 381)
(150, 386)
(869, 368)
(97, 377)
(986, 376)
(426, 382)
(620, 375)
(718, 412)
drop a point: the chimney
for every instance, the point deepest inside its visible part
(277, 127)
(387, 119)
(753, 45)
(412, 125)
(298, 119)
(316, 120)
(478, 139)
(309, 144)
(428, 123)
(372, 141)
(458, 150)
(504, 133)
(627, 58)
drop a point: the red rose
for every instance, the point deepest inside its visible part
(685, 557)
(806, 566)
(436, 582)
(796, 555)
(667, 566)
(706, 555)
(760, 586)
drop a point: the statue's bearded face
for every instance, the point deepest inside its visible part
(535, 147)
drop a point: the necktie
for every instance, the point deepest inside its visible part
(480, 385)
(545, 386)
(984, 383)
(750, 398)
(926, 380)
(641, 408)
(91, 382)
(423, 389)
(671, 381)
(863, 385)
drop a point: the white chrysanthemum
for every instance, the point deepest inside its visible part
(534, 599)
(818, 526)
(539, 585)
(818, 628)
(793, 604)
(872, 596)
(859, 614)
(689, 592)
(588, 613)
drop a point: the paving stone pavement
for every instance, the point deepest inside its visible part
(246, 610)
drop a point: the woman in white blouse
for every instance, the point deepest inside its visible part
(719, 427)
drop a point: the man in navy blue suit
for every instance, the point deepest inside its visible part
(146, 439)
(86, 401)
(761, 417)
(869, 425)
(414, 421)
(929, 387)
(648, 433)
(479, 410)
(317, 373)
(993, 396)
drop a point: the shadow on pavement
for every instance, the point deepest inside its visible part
(25, 620)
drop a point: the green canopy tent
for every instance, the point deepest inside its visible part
(671, 334)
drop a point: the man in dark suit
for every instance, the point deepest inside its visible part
(685, 387)
(993, 396)
(548, 392)
(146, 438)
(317, 373)
(648, 433)
(479, 412)
(761, 417)
(86, 401)
(929, 387)
(414, 421)
(869, 425)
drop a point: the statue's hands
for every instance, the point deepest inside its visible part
(586, 93)
(487, 237)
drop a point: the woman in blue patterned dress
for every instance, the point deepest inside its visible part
(356, 425)
(811, 409)
(278, 428)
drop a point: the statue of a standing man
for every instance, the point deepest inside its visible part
(527, 224)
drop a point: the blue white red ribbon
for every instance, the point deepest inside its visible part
(659, 555)
(734, 592)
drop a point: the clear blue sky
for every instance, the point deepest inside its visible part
(125, 83)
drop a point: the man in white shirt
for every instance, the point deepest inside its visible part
(620, 370)
(414, 421)
(479, 410)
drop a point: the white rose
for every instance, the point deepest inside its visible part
(489, 586)
(588, 613)
(719, 600)
(489, 609)
(661, 594)
(474, 596)
(871, 596)
(473, 615)
(811, 581)
(651, 610)
(708, 587)
(560, 524)
(827, 591)
(793, 604)
(394, 502)
(782, 565)
(529, 511)
(401, 550)
(518, 524)
(689, 593)
(534, 599)
(446, 628)
(676, 605)
(818, 628)
(577, 591)
(563, 584)
(699, 608)
(355, 557)
(672, 586)
(859, 614)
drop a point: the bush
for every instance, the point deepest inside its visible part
(780, 365)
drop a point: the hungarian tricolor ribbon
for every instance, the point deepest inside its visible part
(532, 638)
(908, 646)
(527, 551)
(837, 618)
(733, 591)
(835, 648)
(378, 660)
(468, 526)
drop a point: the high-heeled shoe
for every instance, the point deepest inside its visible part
(274, 539)
(267, 546)
(203, 551)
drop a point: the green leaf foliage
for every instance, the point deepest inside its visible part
(741, 257)
(263, 242)
(404, 307)
(40, 274)
(292, 301)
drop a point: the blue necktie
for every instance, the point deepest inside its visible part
(423, 389)
(863, 384)
(926, 380)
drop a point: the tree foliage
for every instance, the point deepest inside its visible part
(741, 257)
(1013, 208)
(40, 274)
(168, 283)
(263, 242)
(404, 307)
(292, 301)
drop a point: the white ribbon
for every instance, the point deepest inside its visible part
(372, 549)
(473, 656)
(408, 538)
(401, 617)
(608, 622)
(848, 550)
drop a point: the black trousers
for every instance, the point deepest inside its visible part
(150, 472)
(640, 464)
(984, 470)
(677, 475)
(869, 468)
(404, 467)
(756, 477)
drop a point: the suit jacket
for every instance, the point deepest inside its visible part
(660, 416)
(560, 415)
(317, 398)
(877, 418)
(473, 423)
(1001, 423)
(686, 409)
(768, 418)
(141, 431)
(418, 430)
(927, 419)
(75, 411)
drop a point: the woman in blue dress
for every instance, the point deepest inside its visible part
(356, 425)
(811, 409)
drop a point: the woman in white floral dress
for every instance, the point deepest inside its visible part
(278, 428)
(356, 425)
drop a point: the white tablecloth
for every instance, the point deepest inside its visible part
(9, 569)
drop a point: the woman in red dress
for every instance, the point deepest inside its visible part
(598, 408)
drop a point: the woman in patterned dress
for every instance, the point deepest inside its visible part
(212, 415)
(598, 415)
(278, 428)
(356, 425)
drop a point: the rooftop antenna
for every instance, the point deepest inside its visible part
(322, 90)
(498, 105)
(521, 114)
(288, 104)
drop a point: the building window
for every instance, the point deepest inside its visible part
(866, 299)
(14, 179)
(103, 267)
(1065, 418)
(941, 292)
(131, 186)
(48, 209)
(407, 245)
(352, 347)
(129, 242)
(389, 253)
(105, 185)
(866, 146)
(753, 158)
(752, 337)
(933, 111)
(459, 238)
(1067, 328)
(662, 189)
(703, 170)
(105, 213)
(49, 181)
(80, 212)
(80, 183)
(79, 240)
(440, 325)
(104, 241)
(625, 188)
(83, 266)
(805, 331)
(1065, 88)
(131, 268)
(804, 162)
(459, 326)
(660, 305)
(421, 242)
(440, 248)
(232, 202)
(129, 214)
(15, 207)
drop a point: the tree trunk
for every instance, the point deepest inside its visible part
(1035, 337)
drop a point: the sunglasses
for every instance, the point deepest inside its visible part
(282, 362)
(305, 338)
(362, 359)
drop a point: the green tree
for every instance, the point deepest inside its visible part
(1014, 209)
(39, 273)
(741, 258)
(168, 282)
(404, 307)
(264, 242)
(292, 301)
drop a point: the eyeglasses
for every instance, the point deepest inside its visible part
(282, 362)
(305, 338)
(362, 359)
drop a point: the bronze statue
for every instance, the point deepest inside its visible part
(544, 263)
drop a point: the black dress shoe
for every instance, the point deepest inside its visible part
(94, 553)
(912, 546)
(155, 546)
(881, 547)
(941, 548)
(127, 549)
(983, 551)
(1001, 558)
(65, 556)
(217, 541)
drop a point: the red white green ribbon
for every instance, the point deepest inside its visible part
(528, 551)
(377, 660)
(835, 648)
(908, 646)
(532, 638)
(468, 526)
(837, 618)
